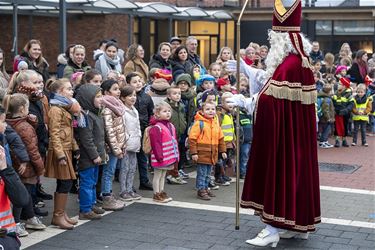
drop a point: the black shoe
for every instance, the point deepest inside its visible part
(345, 144)
(146, 186)
(337, 144)
(41, 194)
(40, 212)
(242, 176)
(227, 178)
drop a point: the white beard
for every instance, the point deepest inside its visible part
(280, 47)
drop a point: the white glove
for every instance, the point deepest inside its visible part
(236, 100)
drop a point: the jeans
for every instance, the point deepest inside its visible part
(108, 173)
(142, 167)
(359, 125)
(326, 130)
(203, 174)
(87, 192)
(244, 157)
(128, 167)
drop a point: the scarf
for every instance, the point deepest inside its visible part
(362, 66)
(72, 106)
(105, 63)
(114, 104)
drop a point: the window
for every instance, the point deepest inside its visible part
(323, 27)
(362, 27)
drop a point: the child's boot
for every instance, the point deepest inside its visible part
(337, 143)
(165, 196)
(202, 194)
(58, 218)
(345, 143)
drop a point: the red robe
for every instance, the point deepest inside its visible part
(282, 181)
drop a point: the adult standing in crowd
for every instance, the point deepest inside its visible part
(4, 77)
(359, 69)
(77, 63)
(109, 60)
(135, 55)
(328, 66)
(62, 60)
(225, 54)
(32, 55)
(175, 42)
(316, 54)
(181, 63)
(192, 45)
(161, 59)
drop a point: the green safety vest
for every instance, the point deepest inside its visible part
(361, 108)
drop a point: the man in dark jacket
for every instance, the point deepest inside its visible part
(316, 54)
(192, 45)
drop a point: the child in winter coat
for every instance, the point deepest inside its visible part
(61, 148)
(145, 107)
(326, 115)
(343, 103)
(206, 141)
(17, 107)
(178, 119)
(227, 126)
(246, 123)
(164, 149)
(91, 142)
(361, 109)
(114, 127)
(128, 164)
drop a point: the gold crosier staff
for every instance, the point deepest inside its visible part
(238, 120)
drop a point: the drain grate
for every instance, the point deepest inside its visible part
(337, 167)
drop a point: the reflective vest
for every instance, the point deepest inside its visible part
(6, 215)
(170, 148)
(227, 126)
(361, 108)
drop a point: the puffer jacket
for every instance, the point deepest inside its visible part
(25, 128)
(132, 129)
(206, 141)
(178, 118)
(114, 127)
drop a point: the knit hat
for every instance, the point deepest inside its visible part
(205, 77)
(368, 80)
(175, 38)
(345, 82)
(160, 86)
(184, 77)
(202, 97)
(221, 82)
(340, 68)
(163, 74)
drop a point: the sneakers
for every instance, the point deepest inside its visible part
(165, 196)
(203, 195)
(159, 198)
(20, 230)
(242, 176)
(125, 196)
(326, 144)
(212, 185)
(35, 223)
(337, 144)
(175, 180)
(365, 144)
(222, 182)
(182, 174)
(110, 204)
(98, 210)
(227, 178)
(345, 144)
(135, 196)
(89, 216)
(354, 144)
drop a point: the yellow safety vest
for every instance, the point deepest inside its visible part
(227, 126)
(361, 108)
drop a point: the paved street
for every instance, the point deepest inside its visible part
(348, 211)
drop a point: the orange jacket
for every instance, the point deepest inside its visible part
(206, 142)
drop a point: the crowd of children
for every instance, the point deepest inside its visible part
(81, 127)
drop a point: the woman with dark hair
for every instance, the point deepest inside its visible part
(4, 77)
(109, 60)
(180, 62)
(161, 59)
(135, 55)
(77, 63)
(62, 60)
(32, 55)
(359, 69)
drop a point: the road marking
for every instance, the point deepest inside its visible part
(216, 208)
(193, 175)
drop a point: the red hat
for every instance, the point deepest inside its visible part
(368, 80)
(221, 82)
(287, 20)
(345, 81)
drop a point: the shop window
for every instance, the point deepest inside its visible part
(354, 27)
(323, 27)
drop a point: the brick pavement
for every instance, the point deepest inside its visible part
(363, 178)
(144, 226)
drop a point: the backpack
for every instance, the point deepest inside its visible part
(201, 125)
(320, 102)
(146, 142)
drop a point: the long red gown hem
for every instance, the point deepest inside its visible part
(278, 222)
